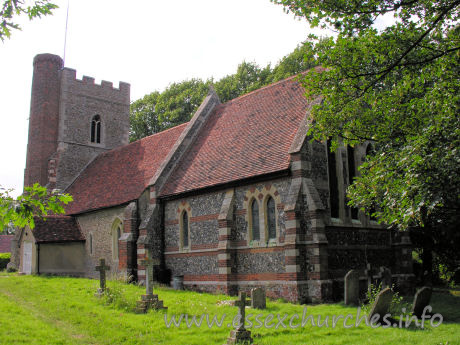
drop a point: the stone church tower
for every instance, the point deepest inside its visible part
(71, 122)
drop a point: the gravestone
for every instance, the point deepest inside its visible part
(381, 305)
(240, 335)
(102, 267)
(369, 272)
(149, 300)
(421, 300)
(385, 277)
(351, 286)
(258, 299)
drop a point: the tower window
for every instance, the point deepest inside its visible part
(96, 129)
(255, 230)
(333, 182)
(271, 218)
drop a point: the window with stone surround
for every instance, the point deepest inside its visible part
(333, 182)
(369, 152)
(96, 129)
(90, 240)
(271, 218)
(117, 230)
(254, 220)
(185, 230)
(352, 175)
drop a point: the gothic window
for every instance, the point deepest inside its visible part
(369, 152)
(255, 230)
(90, 244)
(333, 182)
(351, 175)
(271, 218)
(96, 129)
(116, 234)
(185, 230)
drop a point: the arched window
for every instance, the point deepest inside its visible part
(271, 218)
(90, 244)
(370, 152)
(333, 182)
(351, 175)
(185, 230)
(96, 129)
(255, 229)
(116, 234)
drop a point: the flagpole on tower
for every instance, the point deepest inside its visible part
(65, 36)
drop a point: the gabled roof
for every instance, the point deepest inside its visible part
(5, 243)
(57, 229)
(243, 138)
(121, 175)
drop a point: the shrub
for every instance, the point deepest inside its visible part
(4, 259)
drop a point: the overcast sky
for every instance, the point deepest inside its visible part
(147, 43)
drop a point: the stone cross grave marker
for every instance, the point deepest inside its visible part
(381, 304)
(351, 287)
(421, 300)
(148, 264)
(240, 335)
(258, 299)
(102, 267)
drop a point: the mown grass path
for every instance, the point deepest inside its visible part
(51, 310)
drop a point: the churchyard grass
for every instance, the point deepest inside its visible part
(55, 310)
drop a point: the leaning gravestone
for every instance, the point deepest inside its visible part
(421, 300)
(102, 267)
(258, 299)
(351, 286)
(381, 304)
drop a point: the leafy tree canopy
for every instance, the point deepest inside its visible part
(36, 201)
(158, 111)
(13, 8)
(399, 88)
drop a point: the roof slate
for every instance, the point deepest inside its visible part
(121, 175)
(57, 229)
(246, 137)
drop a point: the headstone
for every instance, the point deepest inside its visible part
(351, 286)
(149, 300)
(258, 299)
(240, 335)
(369, 272)
(421, 300)
(102, 267)
(385, 277)
(381, 304)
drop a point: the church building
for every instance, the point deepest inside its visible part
(238, 197)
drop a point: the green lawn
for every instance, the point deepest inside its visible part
(50, 310)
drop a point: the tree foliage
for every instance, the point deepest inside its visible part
(13, 8)
(36, 201)
(158, 111)
(398, 87)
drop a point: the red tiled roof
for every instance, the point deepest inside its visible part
(57, 229)
(121, 175)
(245, 137)
(5, 243)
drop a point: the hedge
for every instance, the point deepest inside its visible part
(4, 259)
